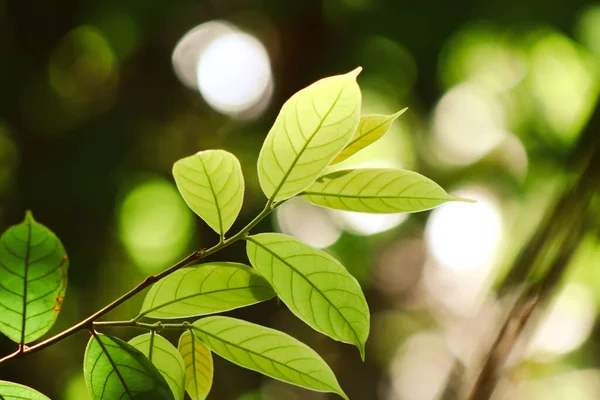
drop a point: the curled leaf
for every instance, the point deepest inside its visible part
(370, 129)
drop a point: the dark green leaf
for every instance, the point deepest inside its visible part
(14, 391)
(115, 370)
(33, 280)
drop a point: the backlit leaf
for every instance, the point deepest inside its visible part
(312, 127)
(198, 366)
(376, 190)
(115, 370)
(14, 391)
(370, 129)
(267, 351)
(212, 185)
(314, 286)
(205, 289)
(165, 358)
(33, 280)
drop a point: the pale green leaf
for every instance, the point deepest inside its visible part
(199, 368)
(33, 280)
(312, 127)
(376, 190)
(370, 129)
(267, 351)
(14, 391)
(212, 185)
(165, 358)
(205, 289)
(115, 370)
(314, 286)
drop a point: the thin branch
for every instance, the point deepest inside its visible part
(571, 213)
(88, 322)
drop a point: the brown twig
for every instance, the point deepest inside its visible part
(88, 322)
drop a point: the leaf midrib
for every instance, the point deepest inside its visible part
(114, 365)
(25, 274)
(194, 366)
(275, 255)
(354, 196)
(304, 147)
(212, 190)
(335, 390)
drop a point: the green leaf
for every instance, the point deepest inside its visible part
(33, 280)
(199, 368)
(115, 370)
(370, 129)
(375, 190)
(212, 185)
(314, 286)
(205, 289)
(14, 391)
(267, 351)
(312, 127)
(165, 358)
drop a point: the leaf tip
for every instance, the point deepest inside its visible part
(399, 113)
(29, 216)
(354, 73)
(361, 349)
(463, 199)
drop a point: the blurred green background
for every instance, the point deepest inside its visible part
(98, 99)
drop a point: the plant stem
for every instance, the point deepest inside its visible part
(90, 321)
(569, 219)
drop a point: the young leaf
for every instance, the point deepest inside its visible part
(375, 190)
(310, 130)
(114, 369)
(205, 289)
(165, 358)
(198, 366)
(212, 185)
(267, 351)
(314, 286)
(33, 280)
(370, 129)
(14, 391)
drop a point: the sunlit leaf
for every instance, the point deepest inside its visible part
(115, 370)
(370, 129)
(267, 351)
(165, 358)
(33, 280)
(314, 286)
(14, 391)
(198, 366)
(310, 130)
(212, 185)
(205, 289)
(375, 190)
